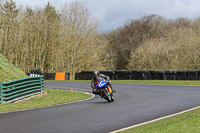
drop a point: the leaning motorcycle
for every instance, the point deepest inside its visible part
(105, 90)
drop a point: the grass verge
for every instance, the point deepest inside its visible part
(52, 97)
(154, 82)
(160, 82)
(188, 122)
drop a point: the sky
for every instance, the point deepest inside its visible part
(113, 14)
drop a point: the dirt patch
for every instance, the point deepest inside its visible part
(27, 98)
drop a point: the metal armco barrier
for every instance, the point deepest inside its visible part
(21, 88)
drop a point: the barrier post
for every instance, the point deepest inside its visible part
(2, 94)
(41, 83)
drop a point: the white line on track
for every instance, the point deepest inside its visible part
(161, 118)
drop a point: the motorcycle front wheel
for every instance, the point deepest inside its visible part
(107, 95)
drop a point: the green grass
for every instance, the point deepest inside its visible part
(155, 82)
(83, 81)
(184, 123)
(52, 97)
(160, 82)
(9, 71)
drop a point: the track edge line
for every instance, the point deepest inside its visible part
(151, 121)
(53, 105)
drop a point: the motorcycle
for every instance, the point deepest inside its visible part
(105, 90)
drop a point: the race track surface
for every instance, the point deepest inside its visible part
(133, 104)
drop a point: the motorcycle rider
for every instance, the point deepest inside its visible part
(97, 77)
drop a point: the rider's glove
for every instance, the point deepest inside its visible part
(92, 85)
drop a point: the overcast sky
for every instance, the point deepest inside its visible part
(114, 13)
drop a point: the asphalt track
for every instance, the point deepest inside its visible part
(133, 104)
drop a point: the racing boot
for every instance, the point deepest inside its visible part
(114, 91)
(94, 91)
(109, 83)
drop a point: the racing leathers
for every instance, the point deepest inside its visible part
(97, 79)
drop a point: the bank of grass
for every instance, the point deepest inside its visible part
(188, 122)
(51, 97)
(9, 71)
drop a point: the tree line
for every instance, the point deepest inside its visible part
(69, 41)
(155, 43)
(52, 41)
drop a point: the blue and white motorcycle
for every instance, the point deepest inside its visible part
(105, 90)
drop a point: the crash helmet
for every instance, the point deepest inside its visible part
(96, 74)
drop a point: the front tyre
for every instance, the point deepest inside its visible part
(107, 95)
(112, 99)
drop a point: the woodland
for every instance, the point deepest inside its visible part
(69, 40)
